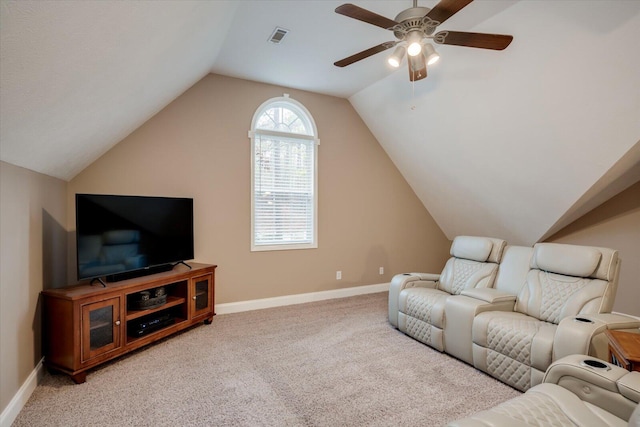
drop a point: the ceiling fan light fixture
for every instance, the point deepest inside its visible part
(417, 67)
(414, 49)
(395, 59)
(431, 54)
(413, 28)
(415, 43)
(415, 62)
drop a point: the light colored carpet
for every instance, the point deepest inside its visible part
(329, 363)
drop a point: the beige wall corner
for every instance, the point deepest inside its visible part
(33, 257)
(198, 147)
(614, 224)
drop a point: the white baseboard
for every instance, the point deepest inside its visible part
(20, 399)
(625, 314)
(257, 304)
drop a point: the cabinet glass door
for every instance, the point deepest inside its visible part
(202, 297)
(100, 327)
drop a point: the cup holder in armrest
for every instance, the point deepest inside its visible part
(582, 320)
(595, 364)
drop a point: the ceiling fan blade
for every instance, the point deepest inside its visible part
(446, 9)
(417, 68)
(356, 12)
(365, 54)
(481, 40)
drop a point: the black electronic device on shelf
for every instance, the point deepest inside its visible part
(146, 325)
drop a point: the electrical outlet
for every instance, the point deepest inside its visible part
(381, 270)
(338, 275)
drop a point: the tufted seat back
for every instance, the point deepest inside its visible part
(566, 280)
(473, 264)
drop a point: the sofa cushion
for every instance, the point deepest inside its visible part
(421, 315)
(513, 344)
(570, 260)
(552, 297)
(582, 261)
(424, 304)
(461, 274)
(470, 247)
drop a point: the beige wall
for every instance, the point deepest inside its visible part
(32, 257)
(198, 147)
(614, 224)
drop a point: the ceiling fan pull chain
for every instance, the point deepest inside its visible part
(413, 94)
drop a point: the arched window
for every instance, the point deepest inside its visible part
(284, 161)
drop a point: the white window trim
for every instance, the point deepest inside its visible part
(252, 134)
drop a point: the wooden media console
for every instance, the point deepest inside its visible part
(87, 325)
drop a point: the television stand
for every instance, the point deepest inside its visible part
(183, 263)
(97, 279)
(85, 326)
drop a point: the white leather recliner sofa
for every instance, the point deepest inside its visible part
(417, 300)
(546, 302)
(577, 390)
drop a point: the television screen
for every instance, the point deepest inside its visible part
(121, 234)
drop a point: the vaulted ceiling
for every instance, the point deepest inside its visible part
(516, 143)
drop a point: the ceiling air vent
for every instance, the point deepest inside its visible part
(277, 35)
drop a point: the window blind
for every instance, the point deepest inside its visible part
(283, 188)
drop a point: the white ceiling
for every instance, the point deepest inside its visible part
(76, 77)
(513, 143)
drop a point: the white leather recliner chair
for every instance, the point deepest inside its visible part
(556, 314)
(577, 391)
(417, 300)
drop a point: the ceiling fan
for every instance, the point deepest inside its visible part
(413, 27)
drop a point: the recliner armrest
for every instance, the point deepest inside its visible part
(459, 312)
(614, 321)
(407, 280)
(585, 368)
(429, 277)
(584, 334)
(607, 386)
(489, 295)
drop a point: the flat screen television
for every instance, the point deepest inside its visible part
(118, 237)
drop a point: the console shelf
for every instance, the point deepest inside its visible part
(87, 325)
(171, 302)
